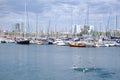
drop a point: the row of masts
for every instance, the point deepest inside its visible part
(49, 24)
(48, 33)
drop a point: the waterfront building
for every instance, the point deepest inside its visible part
(18, 27)
(77, 29)
(89, 28)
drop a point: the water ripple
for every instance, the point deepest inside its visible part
(102, 73)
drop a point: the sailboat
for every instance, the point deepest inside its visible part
(116, 36)
(77, 44)
(24, 40)
(80, 43)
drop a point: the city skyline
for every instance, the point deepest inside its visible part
(60, 14)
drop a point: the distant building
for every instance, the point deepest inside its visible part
(89, 28)
(77, 29)
(19, 27)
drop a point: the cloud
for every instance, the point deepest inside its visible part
(58, 11)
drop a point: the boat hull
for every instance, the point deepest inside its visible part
(77, 45)
(23, 42)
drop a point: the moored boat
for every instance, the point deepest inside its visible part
(59, 42)
(3, 40)
(23, 41)
(77, 44)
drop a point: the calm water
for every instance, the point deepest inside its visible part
(50, 62)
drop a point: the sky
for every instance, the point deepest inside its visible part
(59, 14)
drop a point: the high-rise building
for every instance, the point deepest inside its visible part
(19, 27)
(89, 28)
(76, 29)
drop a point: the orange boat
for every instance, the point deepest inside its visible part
(75, 44)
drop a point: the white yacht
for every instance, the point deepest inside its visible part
(59, 42)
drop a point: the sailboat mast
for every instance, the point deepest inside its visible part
(107, 26)
(48, 31)
(25, 16)
(116, 26)
(26, 20)
(71, 21)
(36, 25)
(87, 21)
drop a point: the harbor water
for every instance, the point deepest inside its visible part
(51, 62)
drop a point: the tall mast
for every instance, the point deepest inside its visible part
(87, 16)
(48, 31)
(71, 21)
(26, 19)
(86, 25)
(116, 26)
(25, 15)
(87, 21)
(107, 26)
(36, 25)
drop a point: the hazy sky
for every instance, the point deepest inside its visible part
(58, 12)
